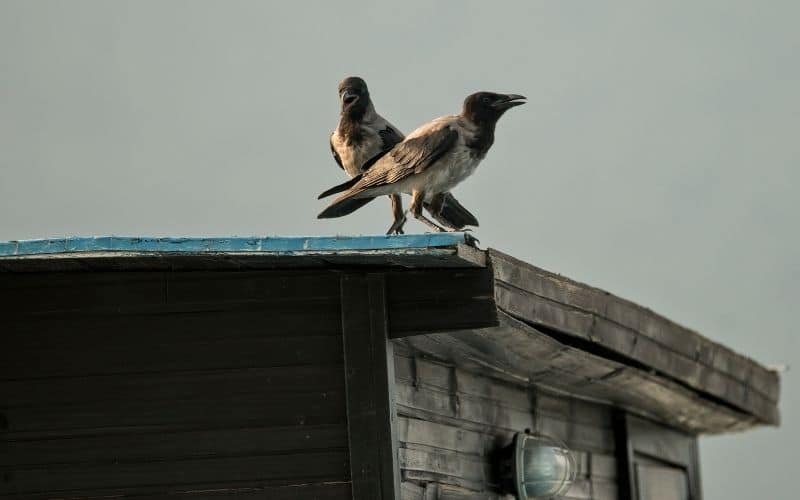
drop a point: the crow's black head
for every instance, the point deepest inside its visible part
(487, 107)
(353, 95)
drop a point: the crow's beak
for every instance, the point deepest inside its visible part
(349, 97)
(509, 101)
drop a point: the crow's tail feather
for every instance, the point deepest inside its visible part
(341, 187)
(454, 214)
(342, 207)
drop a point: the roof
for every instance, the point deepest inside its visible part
(552, 331)
(618, 329)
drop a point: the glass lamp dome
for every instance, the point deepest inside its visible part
(538, 467)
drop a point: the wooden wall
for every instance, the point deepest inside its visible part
(201, 384)
(451, 420)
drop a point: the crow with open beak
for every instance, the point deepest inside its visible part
(430, 162)
(362, 136)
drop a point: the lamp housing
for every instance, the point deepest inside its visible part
(535, 467)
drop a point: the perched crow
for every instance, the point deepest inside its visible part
(363, 136)
(430, 162)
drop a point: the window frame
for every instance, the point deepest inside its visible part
(637, 436)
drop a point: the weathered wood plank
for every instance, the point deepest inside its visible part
(590, 413)
(432, 478)
(274, 490)
(660, 442)
(449, 492)
(642, 350)
(171, 386)
(590, 437)
(415, 318)
(310, 466)
(84, 359)
(315, 318)
(120, 292)
(412, 431)
(329, 490)
(439, 300)
(434, 285)
(547, 313)
(581, 489)
(603, 466)
(411, 491)
(581, 463)
(577, 436)
(604, 490)
(472, 413)
(672, 403)
(517, 352)
(178, 443)
(249, 407)
(458, 467)
(369, 368)
(616, 318)
(427, 373)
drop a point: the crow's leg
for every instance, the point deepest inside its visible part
(417, 199)
(435, 207)
(398, 213)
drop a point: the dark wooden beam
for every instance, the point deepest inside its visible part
(436, 300)
(626, 480)
(369, 379)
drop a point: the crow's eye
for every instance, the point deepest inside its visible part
(485, 99)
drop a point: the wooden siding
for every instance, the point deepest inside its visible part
(521, 354)
(451, 421)
(188, 384)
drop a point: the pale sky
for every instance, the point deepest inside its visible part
(657, 157)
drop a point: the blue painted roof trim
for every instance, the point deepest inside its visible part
(255, 244)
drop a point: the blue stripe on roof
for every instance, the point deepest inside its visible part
(268, 244)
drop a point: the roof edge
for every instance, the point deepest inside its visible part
(255, 244)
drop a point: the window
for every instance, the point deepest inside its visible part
(660, 481)
(655, 462)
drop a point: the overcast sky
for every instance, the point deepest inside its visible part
(657, 158)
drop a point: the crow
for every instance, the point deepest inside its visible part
(362, 136)
(429, 162)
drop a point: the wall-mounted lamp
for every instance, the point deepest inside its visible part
(537, 467)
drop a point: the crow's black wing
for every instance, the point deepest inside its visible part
(389, 138)
(335, 154)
